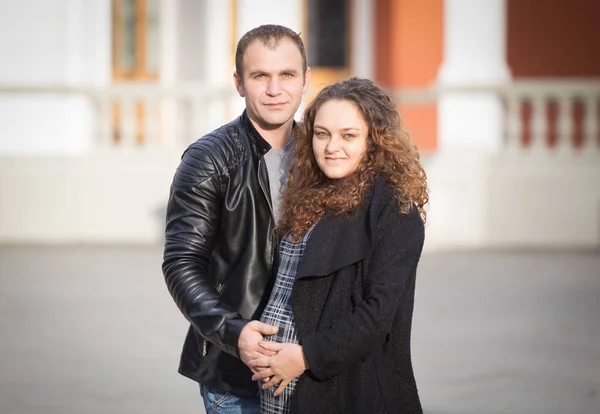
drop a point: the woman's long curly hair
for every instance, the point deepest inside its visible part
(310, 193)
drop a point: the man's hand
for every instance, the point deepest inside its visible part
(279, 370)
(250, 337)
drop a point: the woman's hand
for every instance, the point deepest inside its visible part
(282, 367)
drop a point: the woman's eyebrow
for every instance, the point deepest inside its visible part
(341, 129)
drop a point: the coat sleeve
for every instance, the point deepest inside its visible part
(397, 245)
(193, 218)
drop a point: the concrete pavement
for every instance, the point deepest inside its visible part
(91, 330)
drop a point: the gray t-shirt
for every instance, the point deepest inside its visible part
(278, 165)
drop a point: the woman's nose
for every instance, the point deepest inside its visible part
(333, 145)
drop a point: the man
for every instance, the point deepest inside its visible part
(220, 256)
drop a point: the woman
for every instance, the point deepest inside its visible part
(352, 216)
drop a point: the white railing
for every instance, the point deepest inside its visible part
(539, 115)
(562, 115)
(144, 114)
(546, 115)
(154, 115)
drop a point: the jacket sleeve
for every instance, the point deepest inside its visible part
(396, 249)
(193, 217)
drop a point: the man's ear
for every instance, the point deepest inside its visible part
(239, 84)
(306, 80)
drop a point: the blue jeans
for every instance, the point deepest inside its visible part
(223, 402)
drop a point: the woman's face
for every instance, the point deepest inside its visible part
(340, 138)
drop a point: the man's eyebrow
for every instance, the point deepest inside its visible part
(263, 72)
(256, 72)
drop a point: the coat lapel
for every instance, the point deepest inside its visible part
(337, 242)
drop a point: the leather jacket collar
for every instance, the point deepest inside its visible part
(261, 144)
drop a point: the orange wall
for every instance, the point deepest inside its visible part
(553, 38)
(408, 54)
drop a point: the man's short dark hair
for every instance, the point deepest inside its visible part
(270, 35)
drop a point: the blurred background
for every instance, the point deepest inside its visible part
(99, 98)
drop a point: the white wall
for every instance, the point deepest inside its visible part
(107, 197)
(51, 42)
(501, 200)
(537, 201)
(521, 200)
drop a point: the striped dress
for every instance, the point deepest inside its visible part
(278, 312)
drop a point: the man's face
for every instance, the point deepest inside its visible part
(272, 83)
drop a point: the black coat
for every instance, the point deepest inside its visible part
(353, 305)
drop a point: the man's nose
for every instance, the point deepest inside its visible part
(274, 87)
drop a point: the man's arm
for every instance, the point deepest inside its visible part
(193, 217)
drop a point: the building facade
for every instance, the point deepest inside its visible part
(98, 99)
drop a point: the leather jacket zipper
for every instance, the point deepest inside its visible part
(262, 186)
(220, 286)
(269, 202)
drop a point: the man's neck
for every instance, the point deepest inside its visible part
(277, 137)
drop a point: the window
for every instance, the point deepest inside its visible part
(135, 39)
(327, 35)
(135, 46)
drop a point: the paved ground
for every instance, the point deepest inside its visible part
(92, 330)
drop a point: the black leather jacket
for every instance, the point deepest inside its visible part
(220, 250)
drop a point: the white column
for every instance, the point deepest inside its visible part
(474, 56)
(169, 53)
(219, 61)
(253, 13)
(88, 64)
(62, 43)
(362, 38)
(470, 123)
